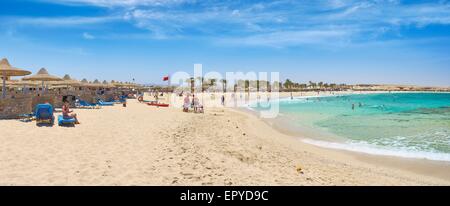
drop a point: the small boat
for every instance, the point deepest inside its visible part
(157, 104)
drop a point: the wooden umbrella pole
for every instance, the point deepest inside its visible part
(4, 85)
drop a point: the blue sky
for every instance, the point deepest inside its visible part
(340, 41)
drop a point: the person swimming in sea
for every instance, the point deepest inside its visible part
(353, 106)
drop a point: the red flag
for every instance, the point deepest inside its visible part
(166, 78)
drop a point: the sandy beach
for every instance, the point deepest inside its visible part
(144, 145)
(225, 93)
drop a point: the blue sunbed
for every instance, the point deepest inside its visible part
(44, 113)
(86, 104)
(65, 121)
(26, 117)
(102, 103)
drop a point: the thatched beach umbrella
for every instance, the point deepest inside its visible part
(6, 70)
(107, 84)
(84, 81)
(42, 76)
(96, 84)
(67, 81)
(127, 85)
(22, 84)
(117, 83)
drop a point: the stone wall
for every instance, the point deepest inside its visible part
(46, 98)
(12, 107)
(87, 97)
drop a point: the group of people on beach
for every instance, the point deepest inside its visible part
(192, 103)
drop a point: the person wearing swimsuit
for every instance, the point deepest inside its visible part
(67, 114)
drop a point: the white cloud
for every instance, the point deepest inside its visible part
(120, 3)
(292, 38)
(262, 23)
(88, 36)
(60, 21)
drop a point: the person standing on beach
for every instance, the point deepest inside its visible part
(196, 103)
(186, 104)
(223, 100)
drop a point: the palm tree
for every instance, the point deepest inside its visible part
(213, 83)
(320, 85)
(288, 84)
(192, 79)
(247, 85)
(277, 85)
(311, 84)
(224, 85)
(333, 86)
(303, 86)
(201, 81)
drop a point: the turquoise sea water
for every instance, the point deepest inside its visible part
(401, 124)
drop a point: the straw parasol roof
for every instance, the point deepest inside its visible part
(84, 83)
(42, 75)
(58, 86)
(96, 83)
(123, 84)
(6, 70)
(67, 81)
(21, 83)
(107, 84)
(116, 83)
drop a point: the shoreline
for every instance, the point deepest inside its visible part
(422, 166)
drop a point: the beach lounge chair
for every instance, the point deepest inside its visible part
(85, 104)
(102, 103)
(65, 121)
(44, 113)
(26, 117)
(123, 99)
